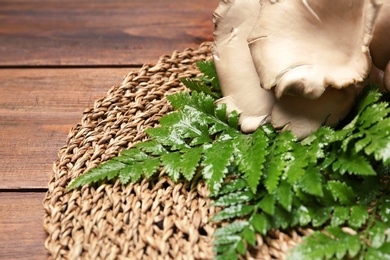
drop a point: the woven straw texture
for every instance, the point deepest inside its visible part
(152, 219)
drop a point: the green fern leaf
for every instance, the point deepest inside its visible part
(361, 143)
(131, 155)
(199, 100)
(104, 171)
(377, 234)
(241, 247)
(302, 216)
(233, 186)
(149, 167)
(278, 157)
(179, 100)
(197, 85)
(224, 249)
(340, 242)
(227, 255)
(172, 164)
(252, 154)
(311, 182)
(168, 137)
(231, 228)
(332, 243)
(384, 209)
(272, 176)
(210, 73)
(233, 119)
(378, 137)
(220, 112)
(369, 96)
(224, 240)
(281, 219)
(267, 204)
(341, 192)
(372, 128)
(185, 123)
(190, 161)
(353, 163)
(131, 172)
(359, 216)
(233, 198)
(321, 215)
(260, 223)
(203, 103)
(382, 252)
(284, 195)
(296, 166)
(232, 212)
(152, 147)
(216, 158)
(249, 235)
(230, 238)
(373, 114)
(340, 216)
(353, 245)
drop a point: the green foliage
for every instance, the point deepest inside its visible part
(335, 181)
(198, 137)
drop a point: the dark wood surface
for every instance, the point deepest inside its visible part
(99, 32)
(37, 109)
(56, 59)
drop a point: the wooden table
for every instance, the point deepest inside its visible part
(56, 58)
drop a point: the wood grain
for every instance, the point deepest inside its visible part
(38, 107)
(56, 58)
(100, 33)
(21, 218)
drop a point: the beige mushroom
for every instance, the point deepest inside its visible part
(238, 78)
(312, 55)
(380, 45)
(301, 47)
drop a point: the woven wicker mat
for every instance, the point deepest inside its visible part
(153, 219)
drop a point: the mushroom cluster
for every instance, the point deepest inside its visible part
(299, 64)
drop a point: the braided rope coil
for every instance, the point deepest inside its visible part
(152, 219)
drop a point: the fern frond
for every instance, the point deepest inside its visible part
(330, 244)
(209, 75)
(105, 171)
(334, 180)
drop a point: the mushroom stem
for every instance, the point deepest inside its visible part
(239, 81)
(380, 44)
(386, 77)
(303, 116)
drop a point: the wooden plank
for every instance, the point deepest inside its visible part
(21, 218)
(110, 32)
(37, 109)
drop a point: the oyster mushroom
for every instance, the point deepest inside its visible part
(301, 47)
(237, 74)
(379, 47)
(313, 56)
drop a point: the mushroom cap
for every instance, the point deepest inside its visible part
(240, 84)
(301, 47)
(380, 44)
(386, 77)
